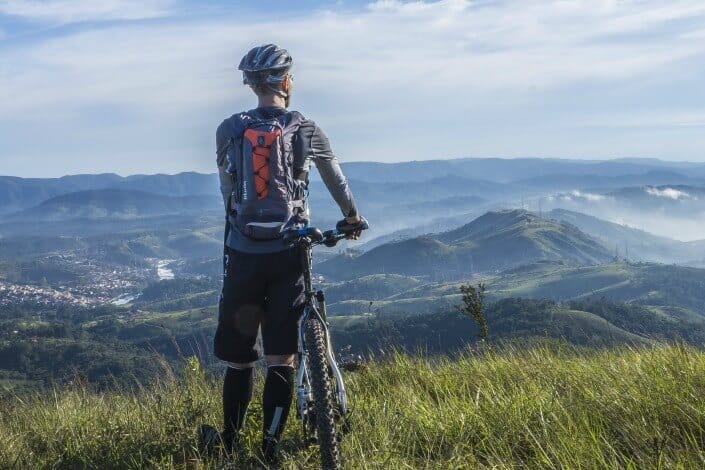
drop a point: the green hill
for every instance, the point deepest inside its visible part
(29, 246)
(541, 407)
(679, 290)
(648, 283)
(674, 198)
(70, 340)
(595, 324)
(373, 287)
(492, 242)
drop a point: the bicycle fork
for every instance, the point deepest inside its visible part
(304, 398)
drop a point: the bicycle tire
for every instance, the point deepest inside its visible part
(324, 402)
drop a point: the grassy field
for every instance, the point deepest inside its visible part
(540, 407)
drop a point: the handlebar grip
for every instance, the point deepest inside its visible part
(344, 227)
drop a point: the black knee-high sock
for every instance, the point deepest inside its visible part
(276, 401)
(237, 393)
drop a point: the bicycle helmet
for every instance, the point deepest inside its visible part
(265, 65)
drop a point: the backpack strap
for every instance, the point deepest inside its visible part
(300, 172)
(239, 124)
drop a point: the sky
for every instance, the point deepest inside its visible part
(139, 86)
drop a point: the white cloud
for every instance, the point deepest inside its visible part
(389, 65)
(669, 193)
(662, 119)
(71, 11)
(418, 6)
(425, 49)
(694, 34)
(589, 196)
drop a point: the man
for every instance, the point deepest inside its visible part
(264, 156)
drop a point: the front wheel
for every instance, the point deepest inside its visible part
(323, 399)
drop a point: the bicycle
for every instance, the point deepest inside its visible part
(321, 398)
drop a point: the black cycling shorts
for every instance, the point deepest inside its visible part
(264, 290)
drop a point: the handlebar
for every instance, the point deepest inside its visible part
(329, 238)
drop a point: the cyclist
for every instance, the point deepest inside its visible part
(263, 282)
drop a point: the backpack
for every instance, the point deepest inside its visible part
(267, 197)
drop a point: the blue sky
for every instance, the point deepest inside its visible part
(131, 86)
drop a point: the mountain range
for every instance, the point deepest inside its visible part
(426, 217)
(495, 241)
(633, 243)
(516, 169)
(22, 193)
(116, 204)
(522, 174)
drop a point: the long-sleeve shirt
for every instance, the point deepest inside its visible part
(310, 145)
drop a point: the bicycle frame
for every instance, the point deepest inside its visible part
(303, 389)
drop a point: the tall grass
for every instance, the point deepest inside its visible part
(541, 407)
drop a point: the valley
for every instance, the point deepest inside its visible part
(134, 264)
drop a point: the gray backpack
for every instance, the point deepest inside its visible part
(267, 196)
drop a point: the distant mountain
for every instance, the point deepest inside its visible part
(392, 193)
(677, 199)
(391, 206)
(628, 241)
(408, 198)
(511, 170)
(423, 223)
(21, 193)
(673, 211)
(116, 203)
(181, 184)
(526, 174)
(566, 182)
(494, 241)
(18, 193)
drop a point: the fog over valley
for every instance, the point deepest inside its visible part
(592, 252)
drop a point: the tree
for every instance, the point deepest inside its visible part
(473, 306)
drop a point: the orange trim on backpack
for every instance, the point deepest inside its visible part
(261, 142)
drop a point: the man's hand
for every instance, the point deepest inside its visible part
(355, 220)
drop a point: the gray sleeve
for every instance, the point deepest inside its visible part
(222, 141)
(330, 171)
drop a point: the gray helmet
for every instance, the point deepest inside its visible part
(266, 64)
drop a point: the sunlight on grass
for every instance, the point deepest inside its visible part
(543, 407)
